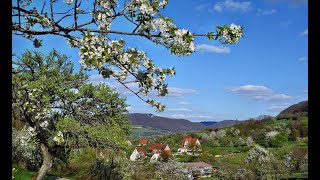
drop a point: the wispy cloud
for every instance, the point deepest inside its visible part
(278, 108)
(178, 92)
(173, 91)
(258, 92)
(184, 103)
(266, 12)
(304, 33)
(231, 5)
(179, 110)
(303, 58)
(212, 49)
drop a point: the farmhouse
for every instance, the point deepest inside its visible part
(189, 144)
(143, 142)
(159, 148)
(138, 154)
(199, 169)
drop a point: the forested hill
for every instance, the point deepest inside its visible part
(164, 123)
(298, 109)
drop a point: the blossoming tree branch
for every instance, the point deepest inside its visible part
(91, 28)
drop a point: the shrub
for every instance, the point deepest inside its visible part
(279, 140)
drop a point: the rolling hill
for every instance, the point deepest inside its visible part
(151, 125)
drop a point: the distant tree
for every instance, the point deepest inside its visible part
(240, 142)
(278, 140)
(249, 141)
(295, 134)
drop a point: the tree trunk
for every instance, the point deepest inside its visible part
(46, 163)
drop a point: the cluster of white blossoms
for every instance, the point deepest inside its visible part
(271, 134)
(180, 41)
(44, 124)
(68, 1)
(58, 137)
(232, 34)
(249, 141)
(32, 131)
(105, 13)
(259, 154)
(111, 59)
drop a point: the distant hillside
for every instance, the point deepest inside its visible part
(225, 123)
(208, 123)
(155, 125)
(296, 109)
(164, 123)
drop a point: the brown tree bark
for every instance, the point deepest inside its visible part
(46, 163)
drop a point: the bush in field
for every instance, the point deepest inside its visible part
(296, 159)
(279, 140)
(249, 141)
(231, 173)
(24, 149)
(258, 154)
(240, 142)
(273, 169)
(234, 132)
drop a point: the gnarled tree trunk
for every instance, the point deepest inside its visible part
(46, 163)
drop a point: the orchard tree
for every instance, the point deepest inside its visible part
(62, 110)
(87, 26)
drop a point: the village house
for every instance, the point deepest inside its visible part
(189, 144)
(143, 142)
(159, 151)
(199, 169)
(138, 154)
(159, 148)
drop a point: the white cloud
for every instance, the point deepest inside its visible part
(179, 92)
(266, 12)
(304, 33)
(232, 5)
(258, 92)
(250, 90)
(179, 110)
(184, 103)
(173, 91)
(278, 108)
(303, 59)
(305, 91)
(213, 49)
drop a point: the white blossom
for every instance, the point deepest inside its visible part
(68, 1)
(271, 134)
(58, 138)
(44, 124)
(32, 131)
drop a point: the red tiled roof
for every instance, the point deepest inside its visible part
(189, 139)
(197, 164)
(168, 152)
(143, 141)
(141, 150)
(157, 147)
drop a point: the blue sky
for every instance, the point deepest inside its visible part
(264, 73)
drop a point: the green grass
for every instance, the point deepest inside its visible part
(22, 174)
